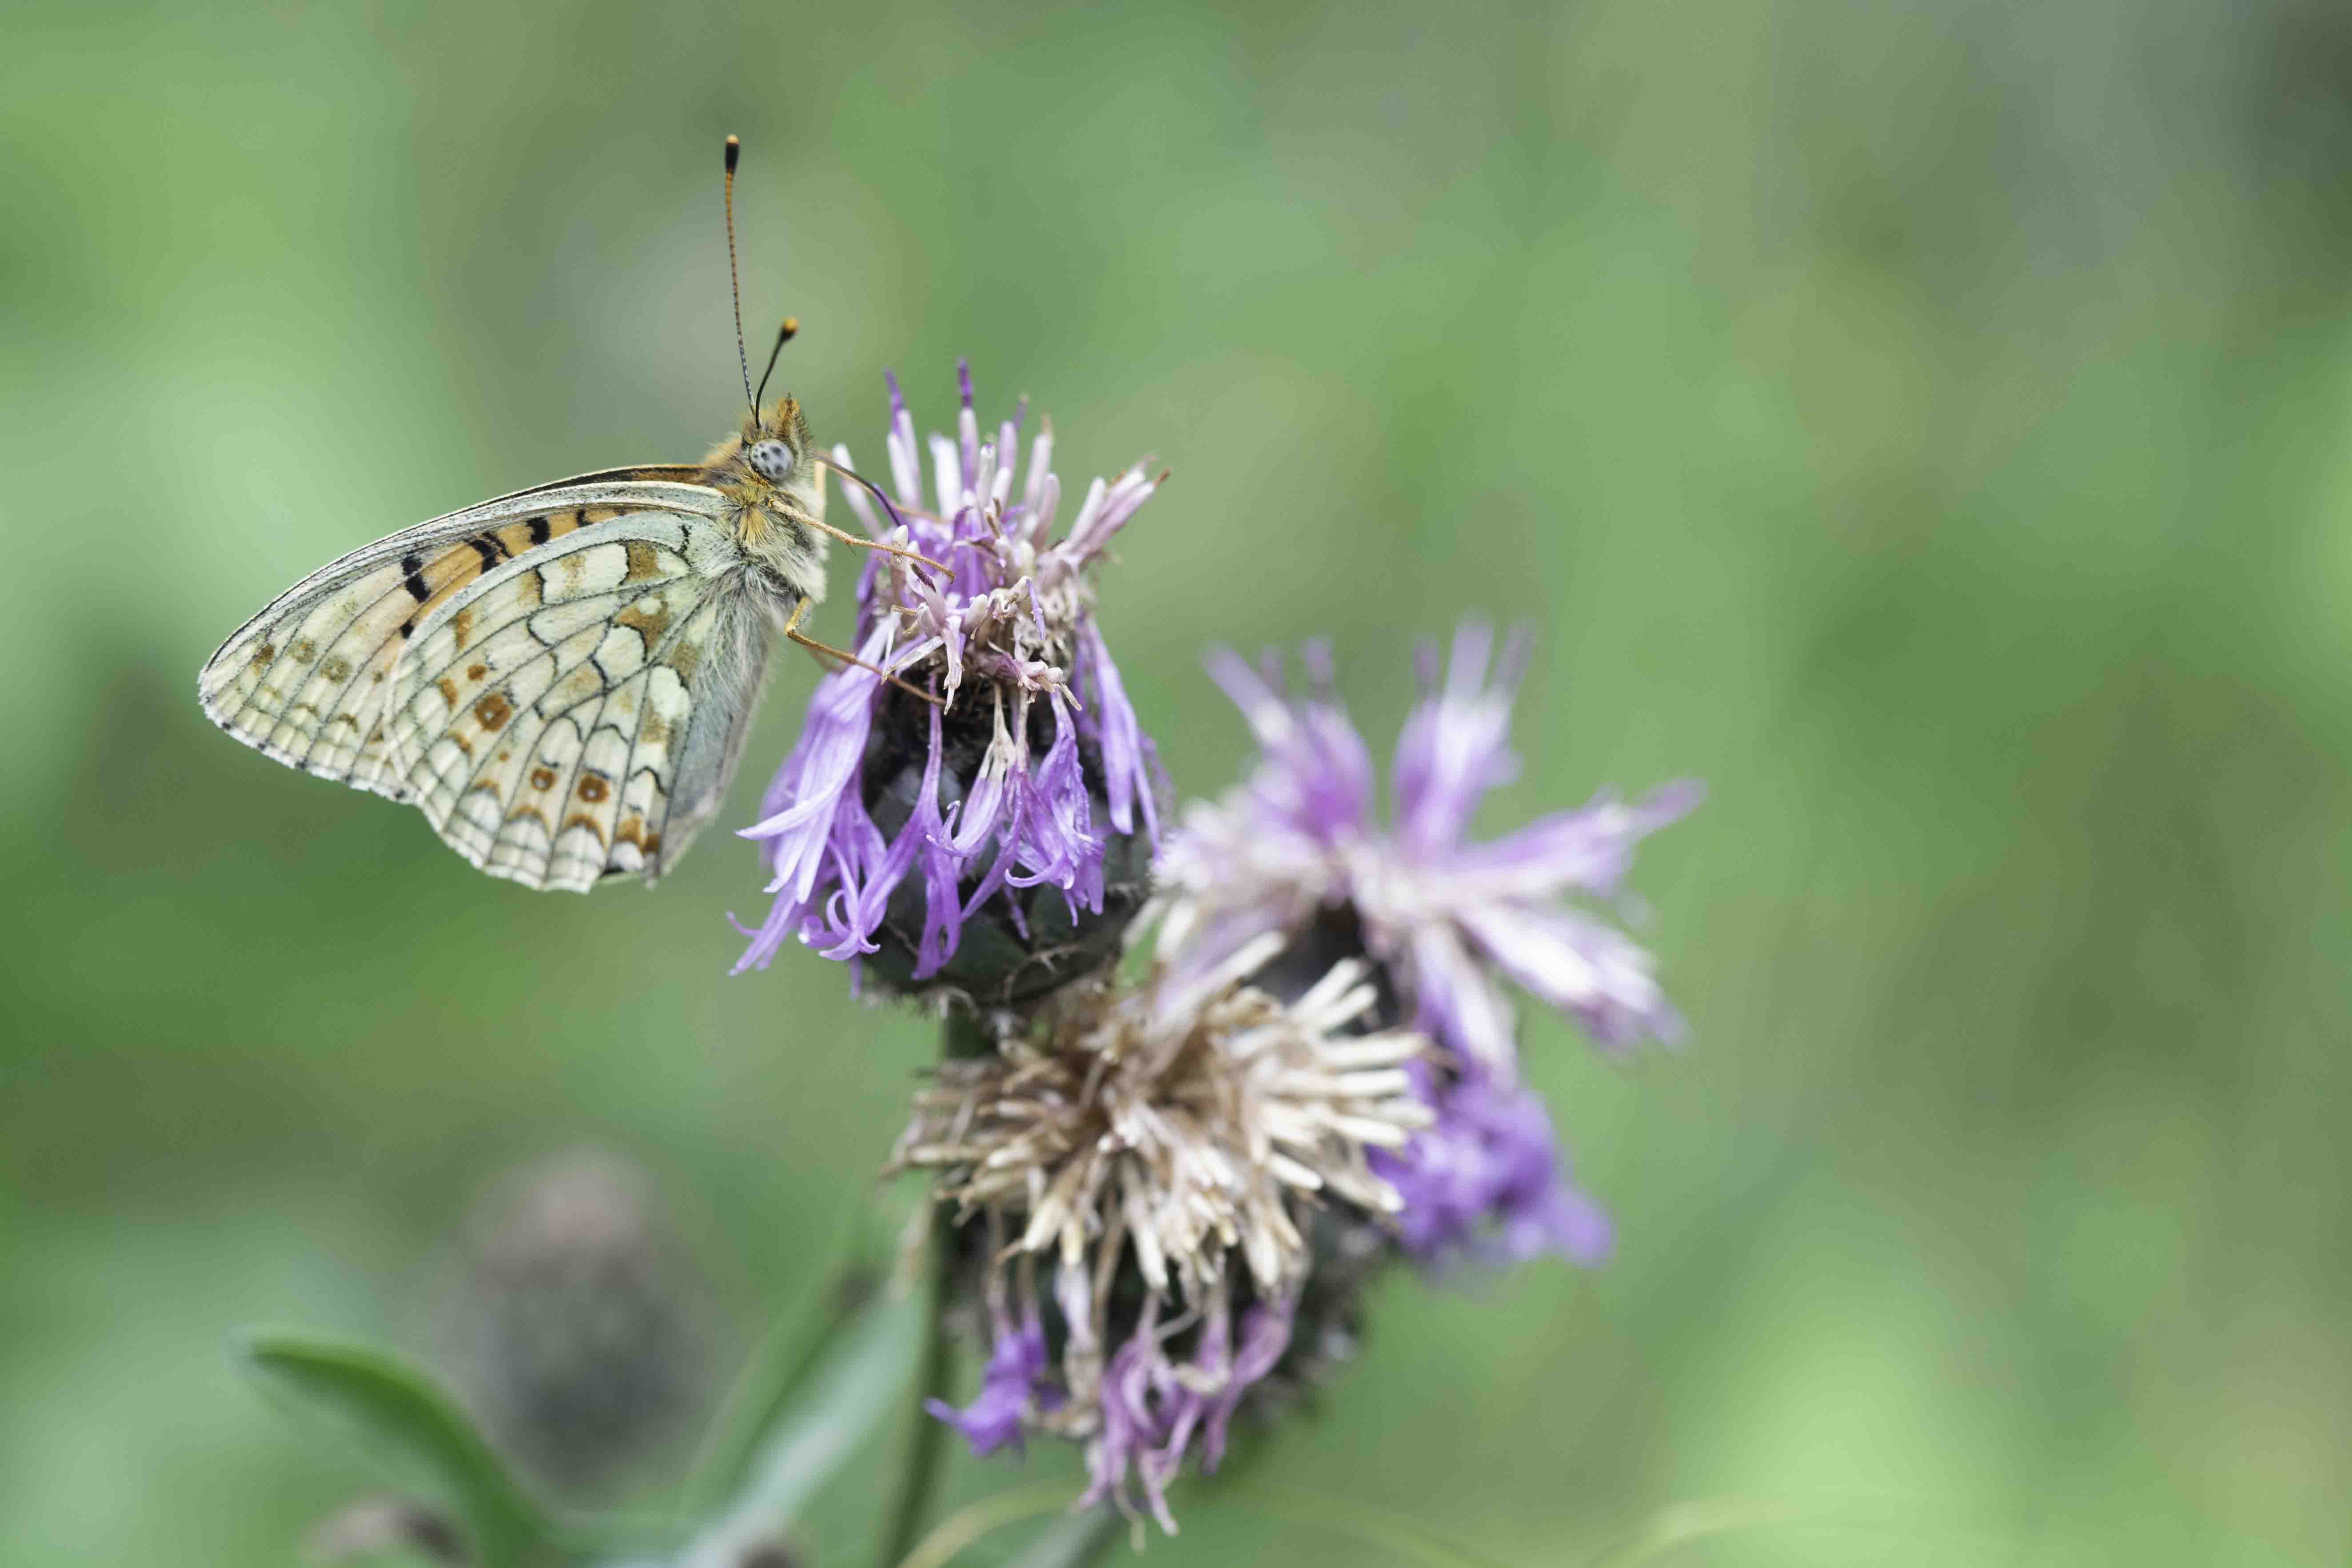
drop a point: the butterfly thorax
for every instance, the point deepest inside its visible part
(775, 502)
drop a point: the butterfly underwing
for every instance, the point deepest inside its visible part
(562, 679)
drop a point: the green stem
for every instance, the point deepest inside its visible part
(962, 1035)
(926, 1448)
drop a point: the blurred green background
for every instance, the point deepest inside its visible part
(1925, 423)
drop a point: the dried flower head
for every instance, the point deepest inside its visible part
(997, 841)
(578, 1322)
(1159, 1146)
(1300, 852)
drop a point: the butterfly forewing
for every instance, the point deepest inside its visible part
(303, 680)
(533, 672)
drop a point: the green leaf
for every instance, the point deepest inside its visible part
(833, 1399)
(1074, 1540)
(779, 1369)
(409, 1431)
(1359, 1522)
(1069, 1543)
(1682, 1522)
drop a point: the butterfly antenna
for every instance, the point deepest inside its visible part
(734, 281)
(783, 335)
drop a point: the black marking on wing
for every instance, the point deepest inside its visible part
(413, 564)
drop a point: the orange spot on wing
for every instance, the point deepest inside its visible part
(649, 622)
(542, 778)
(494, 710)
(578, 819)
(592, 789)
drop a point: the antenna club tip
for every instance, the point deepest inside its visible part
(734, 152)
(790, 328)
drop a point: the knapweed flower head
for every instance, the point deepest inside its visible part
(1300, 851)
(1027, 790)
(1158, 1149)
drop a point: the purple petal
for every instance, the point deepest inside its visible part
(926, 833)
(1316, 776)
(1130, 1427)
(1265, 1334)
(1058, 843)
(1454, 749)
(1488, 1176)
(1586, 850)
(1578, 965)
(1127, 779)
(1012, 1384)
(1456, 1004)
(968, 429)
(905, 468)
(1105, 512)
(800, 811)
(1041, 460)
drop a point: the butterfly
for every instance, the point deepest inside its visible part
(562, 679)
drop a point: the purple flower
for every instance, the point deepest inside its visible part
(1446, 919)
(894, 822)
(1444, 916)
(1153, 1407)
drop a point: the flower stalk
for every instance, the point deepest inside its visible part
(925, 1460)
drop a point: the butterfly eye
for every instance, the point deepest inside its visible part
(772, 460)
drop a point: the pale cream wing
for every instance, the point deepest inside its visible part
(306, 681)
(545, 717)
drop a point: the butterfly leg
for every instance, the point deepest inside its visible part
(876, 545)
(821, 651)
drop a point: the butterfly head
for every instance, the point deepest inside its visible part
(770, 462)
(775, 443)
(769, 472)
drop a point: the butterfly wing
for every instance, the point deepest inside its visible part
(304, 681)
(560, 677)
